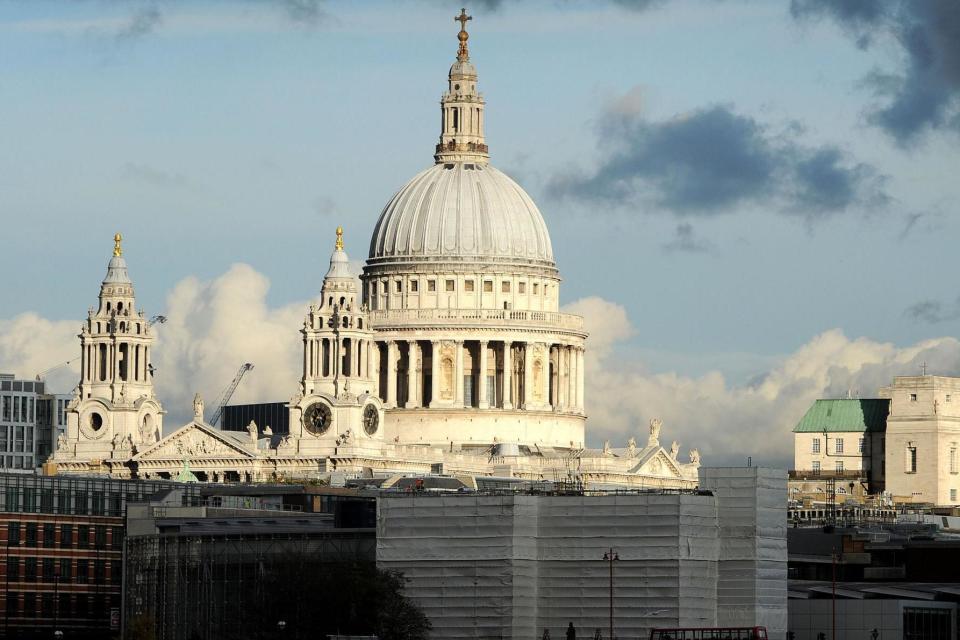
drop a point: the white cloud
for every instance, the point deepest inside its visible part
(729, 422)
(215, 326)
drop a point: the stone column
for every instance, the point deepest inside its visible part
(413, 359)
(546, 377)
(528, 375)
(561, 376)
(391, 396)
(458, 376)
(434, 373)
(572, 378)
(482, 386)
(374, 364)
(507, 375)
(306, 352)
(580, 377)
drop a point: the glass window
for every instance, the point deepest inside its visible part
(414, 286)
(83, 536)
(49, 569)
(815, 448)
(535, 288)
(46, 501)
(116, 572)
(13, 569)
(953, 460)
(65, 566)
(488, 286)
(49, 535)
(398, 286)
(838, 443)
(385, 288)
(30, 569)
(13, 603)
(13, 534)
(66, 536)
(505, 287)
(431, 285)
(468, 286)
(816, 466)
(31, 537)
(913, 397)
(83, 570)
(100, 537)
(451, 285)
(30, 605)
(80, 503)
(46, 604)
(860, 446)
(839, 466)
(99, 571)
(911, 461)
(521, 287)
(953, 495)
(116, 538)
(98, 503)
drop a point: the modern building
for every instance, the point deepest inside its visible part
(518, 565)
(30, 420)
(903, 444)
(448, 355)
(231, 566)
(63, 544)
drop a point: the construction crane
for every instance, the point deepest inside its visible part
(228, 393)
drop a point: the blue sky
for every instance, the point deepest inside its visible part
(733, 175)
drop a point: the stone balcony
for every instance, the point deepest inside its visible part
(493, 318)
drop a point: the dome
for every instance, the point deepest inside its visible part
(461, 212)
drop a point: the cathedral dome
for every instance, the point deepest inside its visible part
(461, 212)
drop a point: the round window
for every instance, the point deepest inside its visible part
(96, 421)
(456, 87)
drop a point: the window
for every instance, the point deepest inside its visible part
(953, 495)
(116, 573)
(65, 569)
(13, 569)
(488, 286)
(841, 490)
(815, 446)
(468, 286)
(911, 460)
(100, 537)
(953, 459)
(521, 287)
(49, 535)
(535, 288)
(13, 534)
(83, 536)
(99, 505)
(49, 569)
(398, 286)
(839, 467)
(816, 466)
(30, 605)
(431, 285)
(83, 570)
(384, 287)
(31, 540)
(414, 286)
(66, 536)
(913, 397)
(451, 285)
(116, 538)
(13, 603)
(30, 569)
(838, 445)
(504, 287)
(860, 445)
(99, 571)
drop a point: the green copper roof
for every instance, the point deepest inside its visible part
(186, 475)
(845, 415)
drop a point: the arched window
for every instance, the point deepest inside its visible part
(119, 307)
(359, 323)
(109, 307)
(342, 300)
(346, 322)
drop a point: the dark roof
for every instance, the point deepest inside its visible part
(845, 416)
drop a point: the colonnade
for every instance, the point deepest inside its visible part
(109, 361)
(500, 374)
(343, 357)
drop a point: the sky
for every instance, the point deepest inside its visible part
(752, 202)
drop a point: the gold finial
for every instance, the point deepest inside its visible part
(463, 36)
(117, 249)
(339, 238)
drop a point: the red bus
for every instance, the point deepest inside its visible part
(710, 633)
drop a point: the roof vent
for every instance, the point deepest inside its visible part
(469, 167)
(448, 166)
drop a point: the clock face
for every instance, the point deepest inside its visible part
(317, 418)
(371, 419)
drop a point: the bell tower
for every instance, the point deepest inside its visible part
(114, 409)
(461, 109)
(337, 402)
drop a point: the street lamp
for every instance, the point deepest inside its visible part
(611, 556)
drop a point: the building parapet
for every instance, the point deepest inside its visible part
(458, 317)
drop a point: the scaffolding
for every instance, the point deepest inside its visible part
(215, 587)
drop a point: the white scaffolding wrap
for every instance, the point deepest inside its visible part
(511, 566)
(752, 509)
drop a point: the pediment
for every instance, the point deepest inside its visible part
(657, 462)
(195, 441)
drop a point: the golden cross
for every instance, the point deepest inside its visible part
(462, 19)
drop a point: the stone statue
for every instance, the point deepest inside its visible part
(632, 446)
(695, 457)
(198, 407)
(62, 442)
(674, 449)
(75, 400)
(655, 425)
(252, 430)
(267, 431)
(606, 447)
(123, 393)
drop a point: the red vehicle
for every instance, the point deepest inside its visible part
(710, 633)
